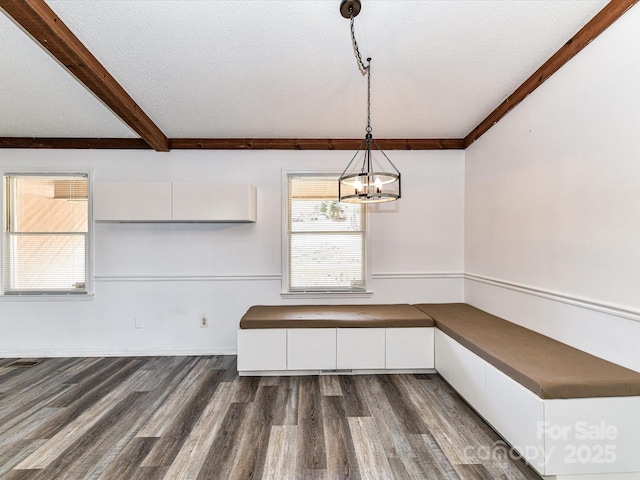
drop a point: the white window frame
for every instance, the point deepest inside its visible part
(286, 292)
(88, 292)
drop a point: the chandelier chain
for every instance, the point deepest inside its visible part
(361, 66)
(368, 95)
(364, 69)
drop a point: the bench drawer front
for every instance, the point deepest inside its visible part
(311, 349)
(517, 414)
(262, 349)
(467, 374)
(361, 348)
(409, 348)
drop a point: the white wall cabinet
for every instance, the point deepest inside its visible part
(219, 202)
(229, 202)
(132, 201)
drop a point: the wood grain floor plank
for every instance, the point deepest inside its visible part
(13, 453)
(220, 458)
(286, 409)
(254, 442)
(20, 378)
(280, 462)
(372, 462)
(330, 385)
(164, 415)
(83, 400)
(179, 427)
(80, 456)
(192, 455)
(355, 404)
(76, 427)
(453, 444)
(392, 434)
(342, 461)
(247, 389)
(430, 460)
(311, 444)
(185, 418)
(126, 464)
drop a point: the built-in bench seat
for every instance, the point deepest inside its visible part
(548, 368)
(308, 339)
(569, 414)
(335, 316)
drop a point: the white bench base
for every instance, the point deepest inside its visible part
(562, 439)
(299, 373)
(313, 350)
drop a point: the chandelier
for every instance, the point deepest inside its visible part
(370, 177)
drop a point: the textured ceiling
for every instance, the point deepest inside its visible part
(270, 68)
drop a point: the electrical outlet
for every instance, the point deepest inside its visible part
(203, 322)
(139, 322)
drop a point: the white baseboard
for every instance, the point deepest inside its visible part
(161, 352)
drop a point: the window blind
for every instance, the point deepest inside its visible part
(326, 239)
(45, 234)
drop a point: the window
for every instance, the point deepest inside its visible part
(45, 234)
(326, 240)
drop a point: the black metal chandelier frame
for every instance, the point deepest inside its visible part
(368, 185)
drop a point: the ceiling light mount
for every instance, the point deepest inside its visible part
(377, 180)
(347, 7)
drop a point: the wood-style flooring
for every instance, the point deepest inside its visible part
(194, 418)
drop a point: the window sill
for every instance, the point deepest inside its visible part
(364, 294)
(47, 297)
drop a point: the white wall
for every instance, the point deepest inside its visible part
(172, 274)
(552, 212)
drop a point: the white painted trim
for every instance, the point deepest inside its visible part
(366, 294)
(608, 308)
(145, 352)
(47, 297)
(417, 276)
(184, 278)
(269, 277)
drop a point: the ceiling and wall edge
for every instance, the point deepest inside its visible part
(37, 19)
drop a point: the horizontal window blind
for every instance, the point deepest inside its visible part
(46, 234)
(326, 239)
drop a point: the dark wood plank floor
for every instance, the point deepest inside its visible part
(194, 418)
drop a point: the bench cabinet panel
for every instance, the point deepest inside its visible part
(467, 375)
(262, 350)
(517, 414)
(408, 348)
(442, 344)
(311, 349)
(361, 348)
(592, 436)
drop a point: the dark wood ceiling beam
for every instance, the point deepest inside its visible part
(311, 144)
(74, 143)
(37, 19)
(598, 24)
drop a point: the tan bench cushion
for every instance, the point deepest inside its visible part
(335, 316)
(548, 368)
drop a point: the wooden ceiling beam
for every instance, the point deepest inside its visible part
(232, 143)
(598, 24)
(312, 144)
(37, 19)
(74, 143)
